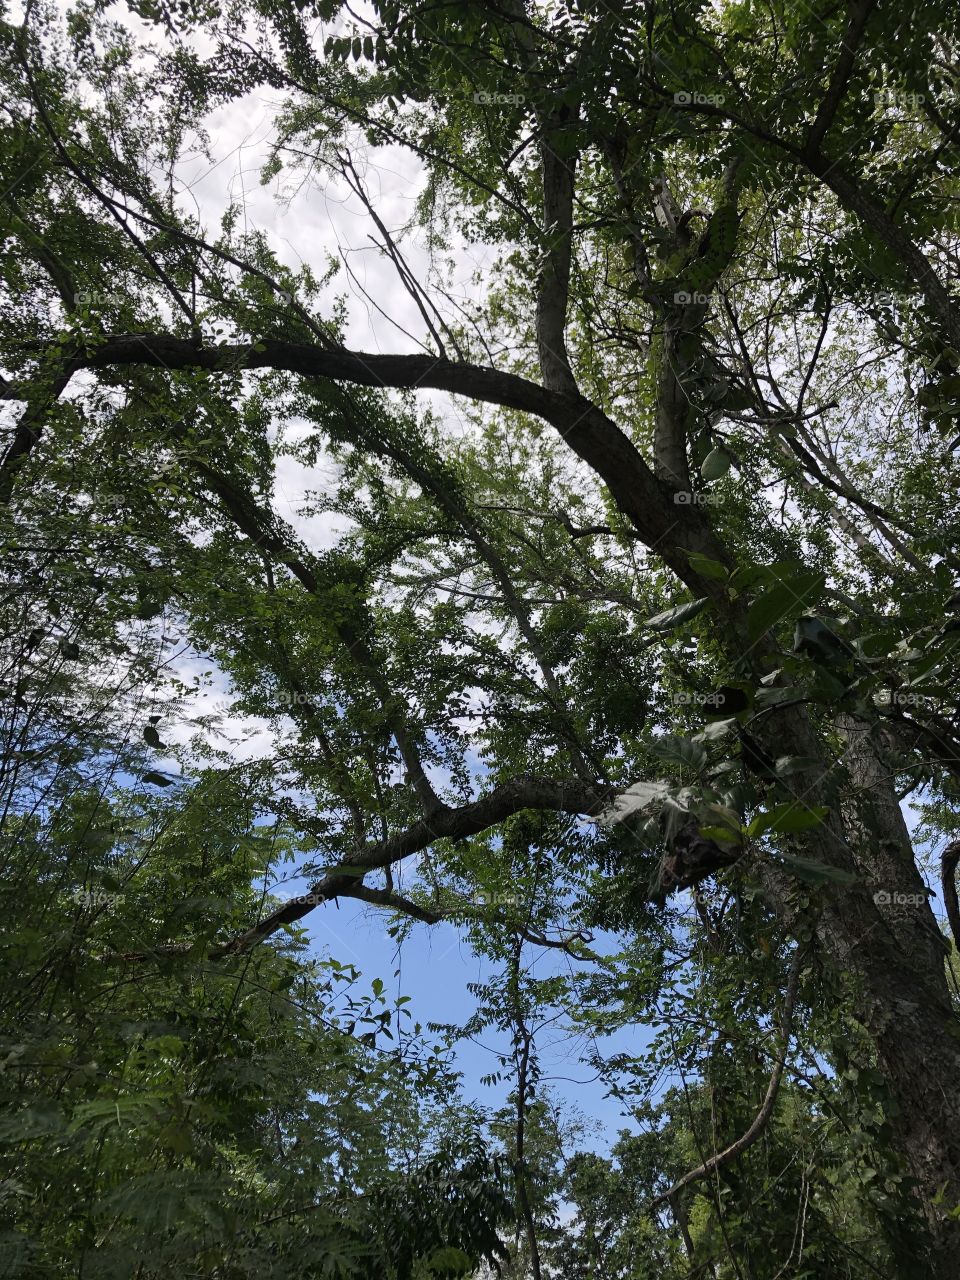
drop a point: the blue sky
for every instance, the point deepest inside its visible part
(436, 965)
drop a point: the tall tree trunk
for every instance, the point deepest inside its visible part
(908, 1008)
(881, 937)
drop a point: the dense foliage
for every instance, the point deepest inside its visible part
(617, 625)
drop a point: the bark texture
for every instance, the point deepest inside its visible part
(880, 937)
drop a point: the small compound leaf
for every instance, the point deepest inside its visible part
(686, 751)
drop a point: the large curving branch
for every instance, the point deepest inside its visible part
(346, 880)
(602, 804)
(39, 396)
(504, 800)
(673, 530)
(553, 286)
(842, 72)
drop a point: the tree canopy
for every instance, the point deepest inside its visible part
(618, 623)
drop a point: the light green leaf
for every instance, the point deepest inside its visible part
(716, 464)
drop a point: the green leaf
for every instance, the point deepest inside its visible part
(783, 600)
(876, 645)
(671, 618)
(716, 465)
(707, 568)
(720, 835)
(725, 817)
(682, 750)
(816, 872)
(786, 818)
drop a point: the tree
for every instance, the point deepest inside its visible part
(164, 1110)
(689, 571)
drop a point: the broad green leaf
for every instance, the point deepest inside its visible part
(786, 818)
(784, 600)
(707, 568)
(716, 464)
(681, 613)
(816, 872)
